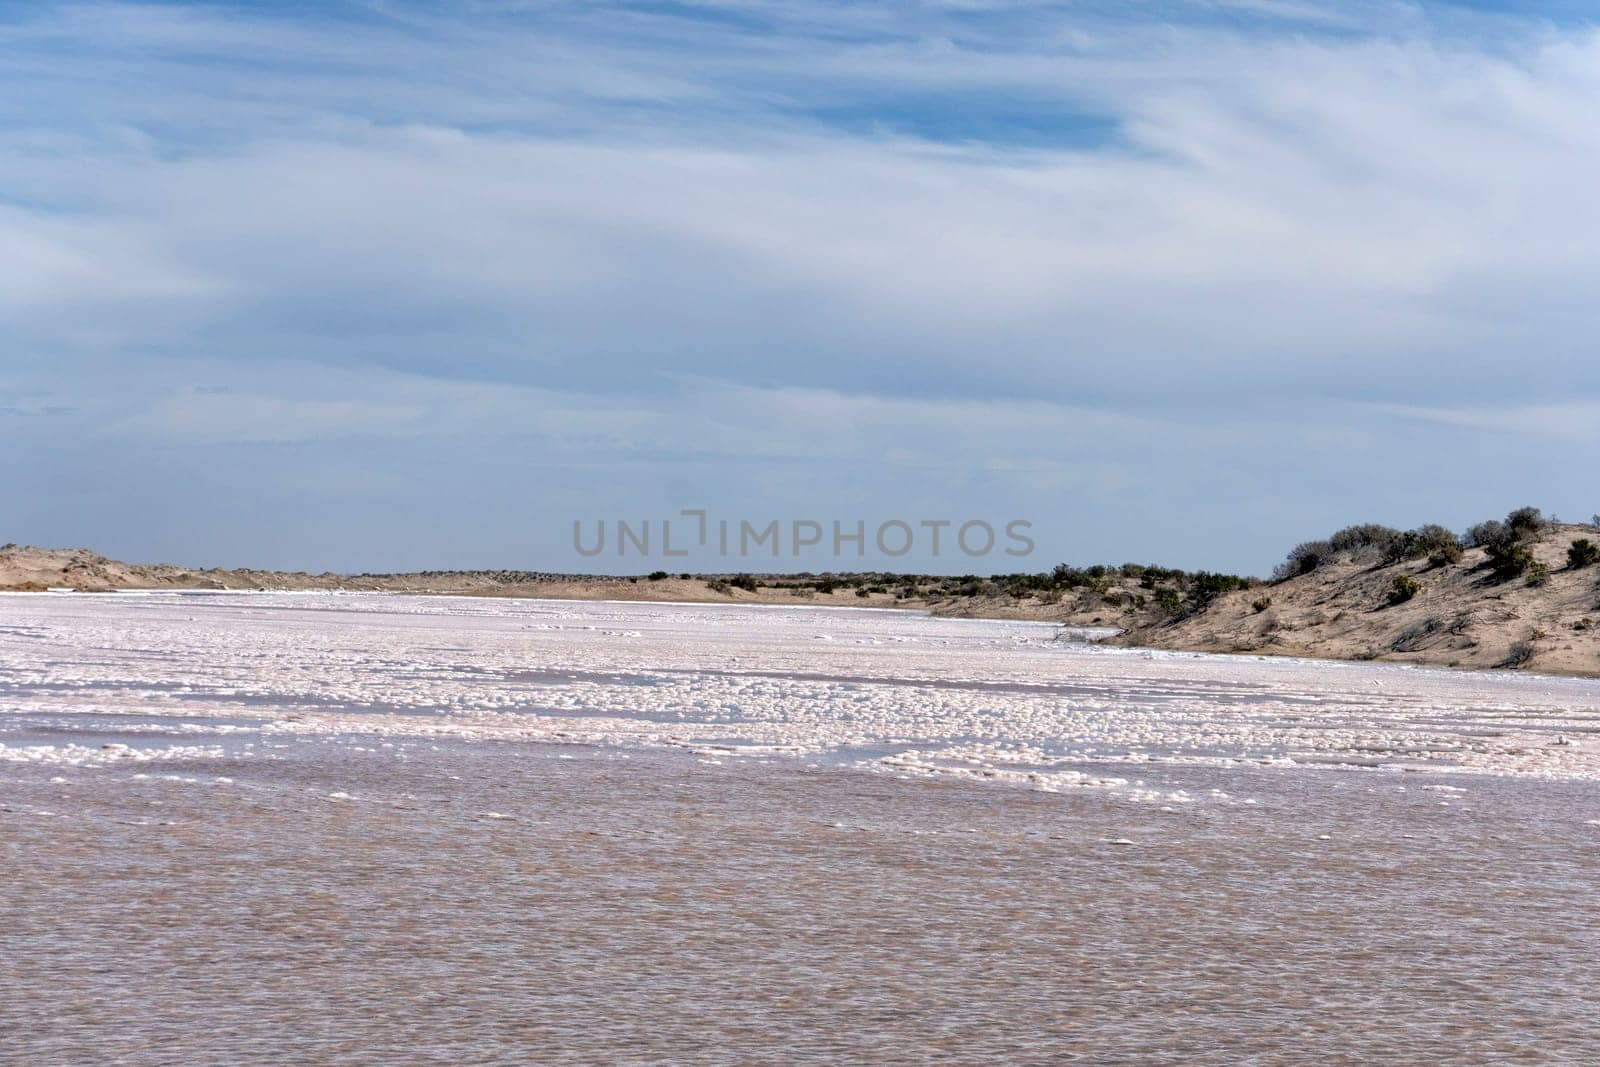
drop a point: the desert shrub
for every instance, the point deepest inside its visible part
(717, 585)
(685, 576)
(1509, 559)
(1169, 600)
(1422, 541)
(1525, 522)
(1364, 537)
(745, 582)
(1412, 637)
(1067, 577)
(1403, 589)
(1488, 534)
(1584, 623)
(656, 576)
(1445, 555)
(1373, 539)
(1538, 573)
(1204, 586)
(1518, 654)
(1582, 553)
(1258, 606)
(1303, 558)
(863, 592)
(1430, 537)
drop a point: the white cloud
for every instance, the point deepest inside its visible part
(578, 237)
(1281, 216)
(1577, 422)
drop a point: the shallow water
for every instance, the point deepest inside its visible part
(377, 830)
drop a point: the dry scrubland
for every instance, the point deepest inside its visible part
(1539, 613)
(1515, 594)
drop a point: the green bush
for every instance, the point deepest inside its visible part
(1169, 600)
(1525, 522)
(1258, 606)
(1508, 559)
(656, 576)
(1538, 573)
(1583, 553)
(1423, 541)
(1204, 586)
(1404, 588)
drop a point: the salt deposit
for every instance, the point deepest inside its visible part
(1004, 702)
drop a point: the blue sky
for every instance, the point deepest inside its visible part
(394, 284)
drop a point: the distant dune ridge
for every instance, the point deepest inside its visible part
(1523, 594)
(1461, 615)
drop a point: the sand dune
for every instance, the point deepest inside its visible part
(1461, 617)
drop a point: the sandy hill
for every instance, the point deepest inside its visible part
(26, 568)
(23, 567)
(1461, 616)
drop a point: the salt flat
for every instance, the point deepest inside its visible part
(370, 829)
(184, 674)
